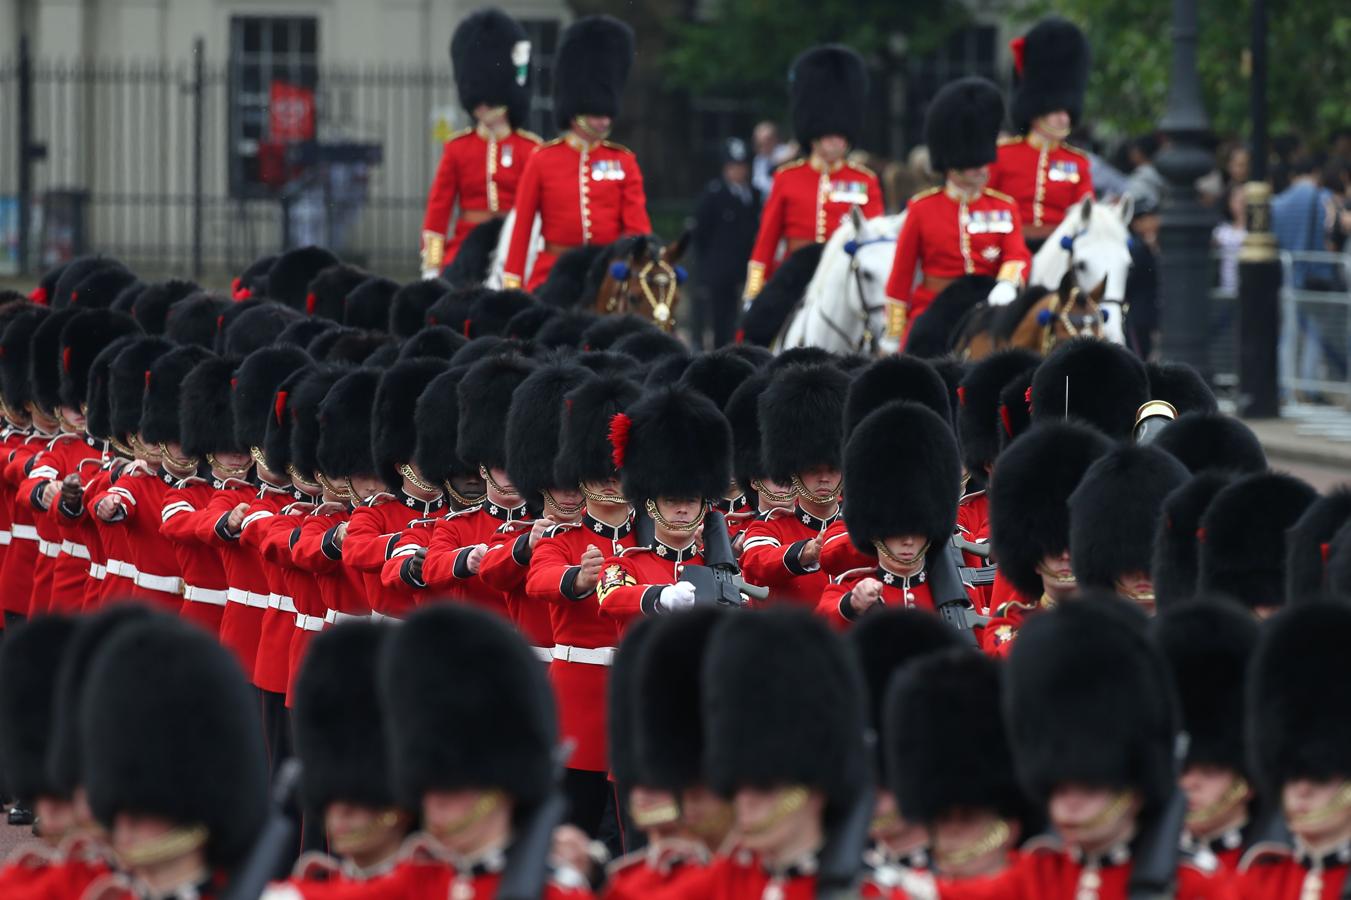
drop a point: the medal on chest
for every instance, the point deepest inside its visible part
(506, 156)
(989, 221)
(607, 170)
(848, 192)
(1063, 170)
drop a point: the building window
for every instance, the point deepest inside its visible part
(273, 79)
(543, 35)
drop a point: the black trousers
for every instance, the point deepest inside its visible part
(714, 306)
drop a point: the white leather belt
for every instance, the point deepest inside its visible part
(282, 602)
(544, 654)
(381, 617)
(121, 569)
(247, 598)
(333, 617)
(79, 551)
(591, 656)
(309, 623)
(205, 595)
(98, 571)
(5, 538)
(25, 532)
(49, 548)
(164, 583)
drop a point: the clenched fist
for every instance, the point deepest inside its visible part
(589, 575)
(865, 595)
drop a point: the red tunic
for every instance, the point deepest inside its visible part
(739, 876)
(835, 600)
(838, 553)
(632, 580)
(805, 205)
(1000, 632)
(583, 194)
(278, 624)
(1274, 872)
(973, 524)
(655, 867)
(445, 571)
(81, 546)
(205, 588)
(21, 560)
(316, 551)
(503, 569)
(372, 534)
(156, 576)
(41, 873)
(242, 622)
(11, 439)
(771, 556)
(62, 573)
(1044, 178)
(478, 172)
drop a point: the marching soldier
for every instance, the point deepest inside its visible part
(1307, 545)
(437, 420)
(964, 227)
(1174, 567)
(717, 375)
(1213, 441)
(1038, 169)
(828, 89)
(585, 189)
(762, 492)
(35, 430)
(1096, 382)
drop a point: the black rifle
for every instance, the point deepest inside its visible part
(949, 591)
(274, 845)
(527, 865)
(719, 580)
(959, 545)
(1158, 850)
(841, 858)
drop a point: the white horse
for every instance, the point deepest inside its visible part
(1094, 242)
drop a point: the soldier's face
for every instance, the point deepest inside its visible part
(771, 821)
(567, 502)
(490, 115)
(962, 829)
(73, 418)
(1138, 587)
(679, 510)
(54, 818)
(1214, 797)
(149, 452)
(595, 126)
(822, 482)
(706, 814)
(610, 487)
(467, 485)
(1054, 125)
(367, 485)
(1092, 818)
(467, 821)
(502, 480)
(132, 831)
(655, 811)
(1057, 577)
(893, 832)
(831, 148)
(970, 180)
(1318, 812)
(233, 461)
(364, 834)
(907, 547)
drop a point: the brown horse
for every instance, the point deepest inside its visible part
(644, 278)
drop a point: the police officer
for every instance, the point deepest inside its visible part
(725, 220)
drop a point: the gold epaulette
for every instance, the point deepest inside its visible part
(613, 146)
(459, 134)
(927, 193)
(554, 142)
(791, 164)
(998, 195)
(864, 169)
(1075, 150)
(530, 135)
(1008, 141)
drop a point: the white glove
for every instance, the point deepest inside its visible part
(429, 274)
(676, 597)
(1002, 294)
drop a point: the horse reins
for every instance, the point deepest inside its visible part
(865, 343)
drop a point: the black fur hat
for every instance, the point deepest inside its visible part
(743, 414)
(348, 346)
(453, 664)
(752, 353)
(255, 390)
(534, 426)
(672, 443)
(484, 347)
(205, 407)
(962, 124)
(566, 329)
(716, 375)
(302, 331)
(288, 279)
(1115, 511)
(490, 56)
(46, 287)
(978, 419)
(606, 330)
(946, 744)
(623, 703)
(1107, 385)
(368, 304)
(485, 394)
(1209, 643)
(83, 338)
(1015, 412)
(326, 294)
(437, 421)
(409, 304)
(30, 659)
(890, 378)
(649, 346)
(234, 311)
(788, 709)
(195, 319)
(451, 308)
(1090, 701)
(591, 68)
(15, 352)
(339, 729)
(802, 356)
(1182, 386)
(151, 305)
(802, 420)
(607, 362)
(667, 370)
(98, 415)
(1339, 563)
(1307, 545)
(828, 92)
(1050, 71)
(126, 298)
(1175, 545)
(1243, 548)
(252, 282)
(490, 312)
(278, 425)
(1293, 730)
(254, 328)
(385, 354)
(305, 393)
(433, 341)
(527, 323)
(883, 643)
(127, 378)
(584, 449)
(668, 719)
(394, 427)
(149, 679)
(44, 356)
(344, 448)
(75, 272)
(1213, 441)
(1029, 495)
(98, 288)
(903, 476)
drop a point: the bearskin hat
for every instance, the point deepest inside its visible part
(65, 765)
(98, 416)
(1213, 441)
(455, 664)
(623, 702)
(1029, 496)
(1208, 644)
(15, 352)
(30, 659)
(591, 68)
(302, 332)
(347, 345)
(667, 370)
(1115, 511)
(758, 356)
(437, 421)
(1050, 71)
(1339, 563)
(1090, 701)
(485, 394)
(978, 420)
(385, 353)
(946, 744)
(527, 323)
(433, 342)
(534, 423)
(125, 301)
(891, 378)
(607, 362)
(962, 124)
(490, 56)
(649, 346)
(716, 375)
(252, 282)
(672, 443)
(1242, 537)
(98, 289)
(1293, 731)
(326, 294)
(83, 338)
(788, 709)
(44, 359)
(904, 476)
(46, 287)
(76, 271)
(253, 328)
(339, 730)
(1175, 544)
(451, 309)
(149, 679)
(489, 313)
(195, 319)
(256, 382)
(802, 420)
(1181, 386)
(151, 306)
(882, 643)
(584, 451)
(394, 428)
(288, 280)
(368, 304)
(1106, 385)
(484, 347)
(205, 408)
(828, 92)
(1015, 412)
(605, 331)
(1306, 545)
(409, 304)
(305, 393)
(743, 414)
(345, 414)
(127, 379)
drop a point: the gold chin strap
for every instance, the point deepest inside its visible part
(579, 122)
(121, 448)
(259, 457)
(171, 846)
(1340, 802)
(568, 512)
(892, 557)
(139, 447)
(407, 472)
(482, 808)
(1238, 793)
(1066, 581)
(651, 507)
(824, 497)
(365, 838)
(346, 493)
(655, 815)
(295, 474)
(488, 479)
(1110, 813)
(229, 471)
(995, 837)
(773, 496)
(595, 497)
(67, 425)
(789, 802)
(463, 500)
(182, 462)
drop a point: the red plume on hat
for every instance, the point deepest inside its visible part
(619, 437)
(1016, 48)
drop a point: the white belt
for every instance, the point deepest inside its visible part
(121, 569)
(283, 603)
(309, 623)
(49, 548)
(381, 617)
(591, 656)
(333, 617)
(98, 571)
(5, 538)
(169, 584)
(79, 551)
(247, 598)
(545, 654)
(205, 595)
(26, 532)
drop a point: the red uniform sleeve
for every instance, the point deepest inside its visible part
(875, 205)
(507, 561)
(1086, 179)
(1015, 258)
(367, 544)
(621, 593)
(396, 574)
(767, 561)
(633, 217)
(176, 519)
(902, 279)
(441, 197)
(275, 545)
(829, 605)
(552, 570)
(314, 551)
(527, 207)
(771, 225)
(838, 553)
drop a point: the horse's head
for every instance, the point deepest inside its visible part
(1098, 242)
(871, 250)
(646, 280)
(1072, 313)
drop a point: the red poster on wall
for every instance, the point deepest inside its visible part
(291, 113)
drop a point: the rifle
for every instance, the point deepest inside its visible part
(842, 856)
(527, 865)
(275, 843)
(1159, 847)
(949, 591)
(718, 580)
(958, 545)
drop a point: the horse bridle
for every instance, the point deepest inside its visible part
(662, 302)
(851, 247)
(1091, 322)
